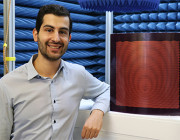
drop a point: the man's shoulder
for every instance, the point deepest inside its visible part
(73, 66)
(16, 74)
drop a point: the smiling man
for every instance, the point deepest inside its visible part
(40, 100)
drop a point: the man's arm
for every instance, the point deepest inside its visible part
(6, 115)
(93, 125)
(99, 92)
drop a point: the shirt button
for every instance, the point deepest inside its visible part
(54, 121)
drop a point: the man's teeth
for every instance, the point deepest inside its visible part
(54, 47)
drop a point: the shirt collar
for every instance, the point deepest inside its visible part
(32, 73)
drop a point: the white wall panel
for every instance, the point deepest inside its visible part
(122, 126)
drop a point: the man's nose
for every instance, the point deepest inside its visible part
(56, 37)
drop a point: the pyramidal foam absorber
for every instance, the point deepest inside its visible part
(120, 5)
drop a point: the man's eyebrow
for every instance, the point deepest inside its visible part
(63, 28)
(48, 26)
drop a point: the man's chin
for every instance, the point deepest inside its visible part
(52, 58)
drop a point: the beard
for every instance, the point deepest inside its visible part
(43, 50)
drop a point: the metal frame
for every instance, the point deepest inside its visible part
(11, 31)
(109, 31)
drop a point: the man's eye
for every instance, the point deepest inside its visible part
(49, 30)
(63, 32)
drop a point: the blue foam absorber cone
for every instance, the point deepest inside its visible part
(120, 5)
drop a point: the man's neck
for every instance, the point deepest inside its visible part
(46, 68)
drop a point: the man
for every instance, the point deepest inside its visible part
(40, 100)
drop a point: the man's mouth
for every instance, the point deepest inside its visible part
(54, 47)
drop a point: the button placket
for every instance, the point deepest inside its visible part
(53, 98)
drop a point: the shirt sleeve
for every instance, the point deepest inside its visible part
(6, 114)
(98, 91)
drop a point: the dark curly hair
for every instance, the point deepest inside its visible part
(55, 10)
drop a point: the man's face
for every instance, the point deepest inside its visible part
(53, 37)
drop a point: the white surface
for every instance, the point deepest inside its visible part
(122, 126)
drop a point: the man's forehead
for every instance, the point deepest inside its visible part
(53, 20)
(52, 16)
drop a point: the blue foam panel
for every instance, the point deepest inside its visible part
(1, 20)
(1, 70)
(178, 26)
(26, 12)
(163, 7)
(102, 78)
(153, 17)
(84, 36)
(170, 26)
(85, 18)
(172, 16)
(78, 54)
(38, 3)
(89, 61)
(84, 62)
(1, 33)
(101, 36)
(25, 23)
(32, 46)
(1, 45)
(24, 57)
(30, 24)
(146, 17)
(168, 7)
(152, 26)
(162, 16)
(92, 71)
(26, 46)
(135, 17)
(73, 1)
(82, 45)
(147, 26)
(1, 8)
(101, 27)
(143, 26)
(134, 26)
(23, 34)
(101, 61)
(172, 7)
(169, 0)
(178, 16)
(125, 18)
(27, 35)
(101, 53)
(161, 26)
(119, 5)
(101, 45)
(101, 70)
(80, 27)
(32, 13)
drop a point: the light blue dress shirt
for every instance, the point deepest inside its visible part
(39, 108)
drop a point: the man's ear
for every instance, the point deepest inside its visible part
(35, 35)
(69, 37)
